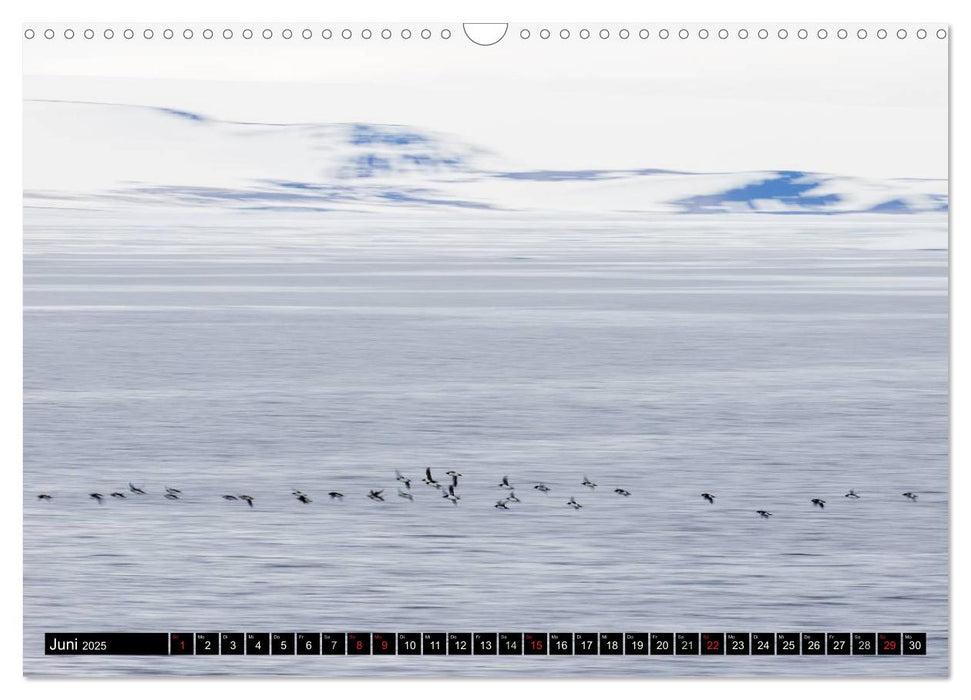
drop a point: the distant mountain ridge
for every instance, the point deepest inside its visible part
(110, 155)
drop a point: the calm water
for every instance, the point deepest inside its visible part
(768, 361)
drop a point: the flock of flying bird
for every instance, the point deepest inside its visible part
(447, 489)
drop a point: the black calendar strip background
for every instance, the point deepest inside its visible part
(486, 643)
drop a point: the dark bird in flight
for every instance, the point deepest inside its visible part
(171, 490)
(304, 498)
(501, 504)
(451, 495)
(402, 478)
(405, 494)
(335, 494)
(135, 489)
(911, 495)
(117, 494)
(452, 472)
(376, 495)
(512, 497)
(851, 494)
(586, 482)
(96, 496)
(622, 492)
(44, 497)
(819, 502)
(172, 496)
(248, 499)
(229, 498)
(505, 483)
(710, 497)
(543, 488)
(573, 503)
(764, 513)
(429, 479)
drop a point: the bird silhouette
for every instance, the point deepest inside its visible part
(96, 496)
(764, 513)
(819, 502)
(429, 479)
(135, 489)
(708, 497)
(586, 482)
(622, 492)
(911, 495)
(376, 495)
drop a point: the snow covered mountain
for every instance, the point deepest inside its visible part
(95, 155)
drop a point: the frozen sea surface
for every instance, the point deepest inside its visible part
(768, 360)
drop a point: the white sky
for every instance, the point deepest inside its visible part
(871, 107)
